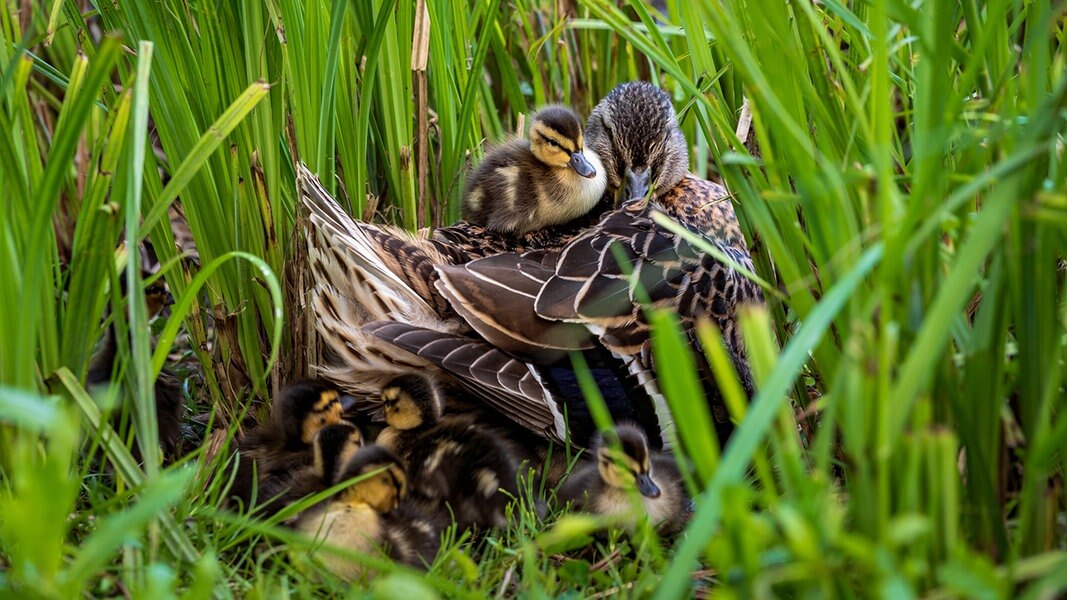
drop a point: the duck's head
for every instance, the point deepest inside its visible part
(305, 407)
(634, 130)
(556, 139)
(632, 467)
(335, 445)
(411, 401)
(383, 482)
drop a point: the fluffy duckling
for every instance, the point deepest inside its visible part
(526, 185)
(411, 405)
(333, 447)
(283, 444)
(606, 487)
(371, 514)
(469, 466)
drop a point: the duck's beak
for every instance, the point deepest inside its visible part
(581, 166)
(635, 184)
(646, 486)
(347, 402)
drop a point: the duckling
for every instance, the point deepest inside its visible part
(333, 446)
(606, 487)
(283, 444)
(411, 404)
(167, 387)
(372, 514)
(467, 465)
(526, 185)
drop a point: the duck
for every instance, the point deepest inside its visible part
(372, 515)
(269, 453)
(167, 387)
(468, 466)
(527, 185)
(528, 311)
(501, 322)
(622, 464)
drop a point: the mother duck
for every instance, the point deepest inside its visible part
(500, 314)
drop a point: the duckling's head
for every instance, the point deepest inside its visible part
(383, 482)
(556, 139)
(634, 130)
(335, 445)
(305, 407)
(411, 401)
(157, 297)
(630, 468)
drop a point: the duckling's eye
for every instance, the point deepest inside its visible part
(553, 143)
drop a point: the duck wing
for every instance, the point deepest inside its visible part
(496, 295)
(507, 384)
(599, 281)
(544, 398)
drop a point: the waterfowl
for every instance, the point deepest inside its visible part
(371, 515)
(283, 444)
(501, 321)
(333, 446)
(456, 460)
(527, 185)
(610, 483)
(530, 310)
(167, 387)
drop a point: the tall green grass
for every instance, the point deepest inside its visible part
(903, 191)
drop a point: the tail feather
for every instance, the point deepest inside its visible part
(360, 276)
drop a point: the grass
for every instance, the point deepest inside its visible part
(903, 191)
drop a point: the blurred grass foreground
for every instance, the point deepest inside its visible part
(897, 166)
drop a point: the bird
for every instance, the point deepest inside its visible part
(371, 515)
(502, 321)
(167, 387)
(333, 446)
(283, 443)
(527, 185)
(623, 470)
(469, 466)
(529, 311)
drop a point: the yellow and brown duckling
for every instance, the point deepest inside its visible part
(372, 515)
(456, 460)
(333, 446)
(411, 404)
(607, 485)
(283, 444)
(527, 185)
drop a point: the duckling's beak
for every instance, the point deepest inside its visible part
(635, 184)
(646, 486)
(581, 166)
(347, 402)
